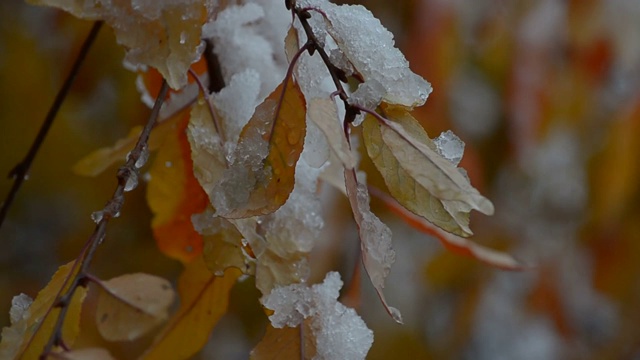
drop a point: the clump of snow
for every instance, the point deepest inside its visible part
(339, 332)
(450, 147)
(245, 39)
(19, 307)
(371, 49)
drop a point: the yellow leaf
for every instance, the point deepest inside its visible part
(224, 249)
(86, 354)
(207, 153)
(100, 160)
(261, 179)
(203, 300)
(132, 305)
(323, 112)
(285, 343)
(425, 166)
(28, 335)
(403, 187)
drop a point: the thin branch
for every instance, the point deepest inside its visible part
(78, 276)
(20, 171)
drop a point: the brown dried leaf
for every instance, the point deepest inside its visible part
(375, 239)
(285, 343)
(261, 179)
(132, 305)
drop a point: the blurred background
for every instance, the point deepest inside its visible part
(546, 95)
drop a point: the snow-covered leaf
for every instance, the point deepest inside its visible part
(162, 34)
(262, 176)
(132, 305)
(375, 239)
(402, 186)
(203, 300)
(32, 324)
(338, 332)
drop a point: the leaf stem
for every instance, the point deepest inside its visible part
(20, 171)
(207, 99)
(78, 275)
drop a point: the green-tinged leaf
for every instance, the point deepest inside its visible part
(132, 305)
(286, 343)
(425, 166)
(273, 270)
(203, 300)
(261, 179)
(32, 328)
(323, 112)
(403, 187)
(375, 239)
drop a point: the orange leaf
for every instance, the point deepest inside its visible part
(286, 343)
(174, 195)
(203, 300)
(262, 178)
(451, 242)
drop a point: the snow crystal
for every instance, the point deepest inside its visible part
(237, 101)
(240, 44)
(371, 49)
(450, 147)
(339, 332)
(19, 307)
(97, 216)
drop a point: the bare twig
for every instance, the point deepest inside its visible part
(20, 171)
(78, 276)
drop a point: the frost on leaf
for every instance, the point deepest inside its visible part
(337, 331)
(261, 177)
(375, 239)
(32, 324)
(162, 34)
(132, 305)
(203, 300)
(395, 170)
(425, 166)
(370, 48)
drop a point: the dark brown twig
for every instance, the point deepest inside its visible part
(78, 274)
(20, 171)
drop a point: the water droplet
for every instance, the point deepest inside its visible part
(293, 136)
(146, 177)
(144, 156)
(168, 164)
(183, 38)
(292, 158)
(97, 216)
(132, 182)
